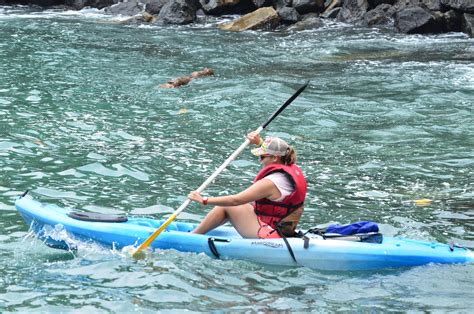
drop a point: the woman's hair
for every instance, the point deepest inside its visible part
(290, 157)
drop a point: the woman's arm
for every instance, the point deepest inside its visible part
(261, 189)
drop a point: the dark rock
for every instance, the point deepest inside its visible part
(381, 15)
(262, 3)
(353, 11)
(466, 6)
(432, 5)
(468, 24)
(154, 6)
(80, 4)
(309, 21)
(178, 12)
(129, 8)
(331, 14)
(200, 13)
(417, 20)
(288, 15)
(308, 6)
(329, 6)
(374, 3)
(40, 3)
(221, 7)
(452, 21)
(277, 4)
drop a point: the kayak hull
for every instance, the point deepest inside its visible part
(55, 228)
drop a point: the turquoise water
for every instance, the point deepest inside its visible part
(386, 120)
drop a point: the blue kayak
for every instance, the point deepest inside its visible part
(51, 223)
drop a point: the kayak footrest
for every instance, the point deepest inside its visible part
(97, 217)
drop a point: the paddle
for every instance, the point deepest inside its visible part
(150, 239)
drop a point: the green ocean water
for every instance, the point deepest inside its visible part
(387, 119)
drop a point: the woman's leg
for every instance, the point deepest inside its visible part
(242, 217)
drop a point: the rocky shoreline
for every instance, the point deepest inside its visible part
(405, 16)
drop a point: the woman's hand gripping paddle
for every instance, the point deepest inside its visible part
(152, 237)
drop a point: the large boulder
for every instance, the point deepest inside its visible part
(353, 11)
(381, 15)
(417, 20)
(466, 6)
(178, 12)
(263, 18)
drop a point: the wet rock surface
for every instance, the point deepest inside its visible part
(406, 16)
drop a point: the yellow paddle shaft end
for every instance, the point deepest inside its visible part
(150, 239)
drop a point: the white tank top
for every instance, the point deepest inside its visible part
(283, 183)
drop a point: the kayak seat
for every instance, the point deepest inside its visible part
(97, 217)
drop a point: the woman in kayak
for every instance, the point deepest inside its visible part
(271, 206)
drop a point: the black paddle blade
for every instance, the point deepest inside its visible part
(289, 101)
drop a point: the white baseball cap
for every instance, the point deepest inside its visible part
(272, 146)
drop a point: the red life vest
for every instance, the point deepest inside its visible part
(271, 212)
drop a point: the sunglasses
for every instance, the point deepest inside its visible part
(262, 157)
